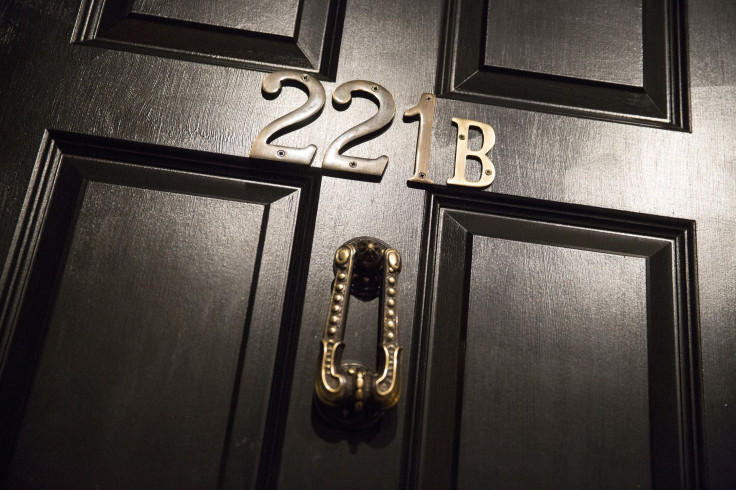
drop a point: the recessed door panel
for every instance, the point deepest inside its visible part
(559, 345)
(622, 61)
(276, 18)
(154, 282)
(555, 375)
(594, 40)
(303, 35)
(159, 312)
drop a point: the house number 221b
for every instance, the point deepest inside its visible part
(334, 160)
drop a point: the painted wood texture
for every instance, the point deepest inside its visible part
(662, 329)
(133, 353)
(600, 40)
(257, 35)
(276, 18)
(624, 62)
(206, 110)
(577, 346)
(131, 301)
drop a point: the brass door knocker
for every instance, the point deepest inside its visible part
(350, 394)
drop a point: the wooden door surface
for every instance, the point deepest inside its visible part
(163, 295)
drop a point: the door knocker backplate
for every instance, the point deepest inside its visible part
(349, 394)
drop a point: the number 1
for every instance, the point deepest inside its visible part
(425, 110)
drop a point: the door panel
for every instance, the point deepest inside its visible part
(543, 369)
(126, 311)
(164, 324)
(603, 40)
(260, 16)
(574, 343)
(299, 34)
(623, 62)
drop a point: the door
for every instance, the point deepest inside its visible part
(164, 295)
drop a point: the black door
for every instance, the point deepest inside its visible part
(164, 295)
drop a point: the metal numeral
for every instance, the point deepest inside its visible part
(425, 110)
(386, 110)
(335, 161)
(315, 102)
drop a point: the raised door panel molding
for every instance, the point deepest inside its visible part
(567, 333)
(301, 34)
(623, 61)
(147, 296)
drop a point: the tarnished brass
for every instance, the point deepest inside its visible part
(349, 394)
(425, 110)
(342, 96)
(262, 148)
(488, 171)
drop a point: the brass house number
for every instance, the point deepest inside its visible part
(334, 160)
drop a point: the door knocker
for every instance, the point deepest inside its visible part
(349, 394)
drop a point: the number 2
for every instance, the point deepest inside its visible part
(343, 94)
(315, 102)
(386, 110)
